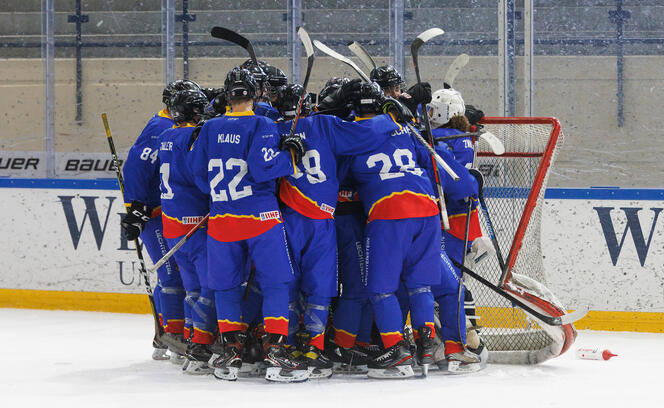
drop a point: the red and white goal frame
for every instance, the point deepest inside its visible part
(514, 188)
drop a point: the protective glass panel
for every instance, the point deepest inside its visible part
(338, 23)
(108, 60)
(23, 92)
(208, 59)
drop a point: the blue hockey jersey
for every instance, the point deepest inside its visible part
(141, 170)
(183, 205)
(265, 109)
(236, 161)
(461, 148)
(390, 179)
(312, 191)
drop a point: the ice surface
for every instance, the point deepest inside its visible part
(58, 358)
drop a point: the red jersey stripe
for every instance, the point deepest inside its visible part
(403, 204)
(299, 202)
(458, 226)
(230, 228)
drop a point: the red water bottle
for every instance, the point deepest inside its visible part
(594, 354)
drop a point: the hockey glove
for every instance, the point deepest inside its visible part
(295, 145)
(479, 177)
(473, 114)
(416, 95)
(338, 101)
(134, 222)
(400, 112)
(211, 93)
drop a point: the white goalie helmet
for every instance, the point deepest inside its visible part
(444, 104)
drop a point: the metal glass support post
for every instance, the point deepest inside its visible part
(48, 60)
(397, 35)
(506, 46)
(619, 16)
(79, 19)
(185, 18)
(168, 40)
(294, 17)
(528, 53)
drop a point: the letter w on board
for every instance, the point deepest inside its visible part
(632, 225)
(90, 212)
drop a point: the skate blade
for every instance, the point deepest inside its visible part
(397, 372)
(196, 368)
(456, 367)
(425, 370)
(318, 373)
(160, 354)
(342, 368)
(226, 373)
(177, 359)
(277, 374)
(210, 362)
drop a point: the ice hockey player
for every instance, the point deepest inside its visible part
(182, 207)
(353, 314)
(446, 111)
(310, 196)
(401, 234)
(262, 106)
(236, 159)
(142, 198)
(390, 81)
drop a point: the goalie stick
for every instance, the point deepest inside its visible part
(158, 330)
(229, 35)
(492, 140)
(454, 69)
(567, 318)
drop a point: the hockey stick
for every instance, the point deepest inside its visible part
(441, 162)
(492, 233)
(158, 330)
(454, 69)
(309, 49)
(414, 49)
(228, 35)
(329, 51)
(567, 318)
(362, 54)
(492, 140)
(177, 246)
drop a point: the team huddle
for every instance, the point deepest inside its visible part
(323, 251)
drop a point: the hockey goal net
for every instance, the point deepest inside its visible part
(514, 187)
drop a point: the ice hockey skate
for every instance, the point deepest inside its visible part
(348, 360)
(425, 348)
(198, 356)
(159, 350)
(394, 362)
(281, 367)
(228, 364)
(319, 365)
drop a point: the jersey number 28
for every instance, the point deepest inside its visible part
(407, 165)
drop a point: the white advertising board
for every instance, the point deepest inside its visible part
(605, 253)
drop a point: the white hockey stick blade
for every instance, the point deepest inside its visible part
(430, 33)
(578, 314)
(494, 143)
(454, 69)
(329, 51)
(304, 37)
(362, 54)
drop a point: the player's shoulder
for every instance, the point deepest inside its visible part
(443, 131)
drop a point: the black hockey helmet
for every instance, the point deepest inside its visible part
(386, 76)
(187, 105)
(175, 86)
(332, 85)
(288, 97)
(240, 83)
(258, 71)
(275, 78)
(369, 100)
